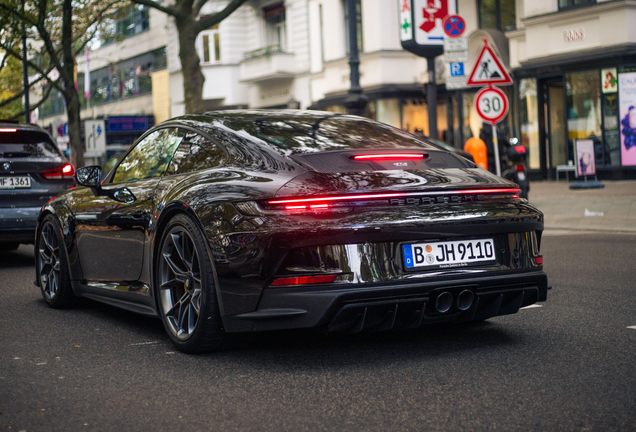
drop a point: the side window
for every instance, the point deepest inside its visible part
(150, 157)
(196, 153)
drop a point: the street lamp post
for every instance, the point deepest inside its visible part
(356, 101)
(25, 72)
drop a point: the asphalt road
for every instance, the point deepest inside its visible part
(568, 366)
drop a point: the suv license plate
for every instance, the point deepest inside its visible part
(15, 182)
(448, 254)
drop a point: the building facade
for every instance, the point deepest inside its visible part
(573, 64)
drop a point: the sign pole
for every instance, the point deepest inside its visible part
(495, 144)
(431, 98)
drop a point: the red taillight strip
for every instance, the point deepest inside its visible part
(336, 198)
(305, 280)
(8, 130)
(387, 156)
(393, 195)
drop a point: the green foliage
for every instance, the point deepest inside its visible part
(10, 86)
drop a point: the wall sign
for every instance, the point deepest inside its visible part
(574, 35)
(610, 82)
(421, 25)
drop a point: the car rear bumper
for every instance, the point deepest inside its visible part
(18, 224)
(387, 306)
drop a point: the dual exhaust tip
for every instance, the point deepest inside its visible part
(445, 301)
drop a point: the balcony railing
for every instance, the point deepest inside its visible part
(266, 64)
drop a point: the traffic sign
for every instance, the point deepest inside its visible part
(488, 69)
(491, 104)
(454, 26)
(62, 129)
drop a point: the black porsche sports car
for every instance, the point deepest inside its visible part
(240, 221)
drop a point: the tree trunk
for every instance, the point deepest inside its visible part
(74, 126)
(191, 68)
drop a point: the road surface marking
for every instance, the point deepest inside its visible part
(631, 327)
(144, 343)
(532, 306)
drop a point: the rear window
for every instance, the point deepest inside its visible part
(305, 134)
(27, 144)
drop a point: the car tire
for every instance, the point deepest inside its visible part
(51, 263)
(7, 247)
(185, 290)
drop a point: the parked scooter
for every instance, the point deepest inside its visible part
(514, 161)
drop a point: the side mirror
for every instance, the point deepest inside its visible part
(89, 176)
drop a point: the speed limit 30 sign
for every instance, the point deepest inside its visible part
(491, 104)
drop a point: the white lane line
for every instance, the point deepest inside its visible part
(40, 364)
(144, 343)
(631, 327)
(532, 306)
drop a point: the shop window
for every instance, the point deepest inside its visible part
(209, 45)
(415, 117)
(497, 14)
(275, 32)
(359, 25)
(584, 113)
(567, 4)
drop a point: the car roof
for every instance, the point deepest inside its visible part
(22, 126)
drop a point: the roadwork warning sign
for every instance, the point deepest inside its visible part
(488, 69)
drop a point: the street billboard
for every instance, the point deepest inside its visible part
(627, 106)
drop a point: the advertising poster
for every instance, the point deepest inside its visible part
(627, 102)
(584, 158)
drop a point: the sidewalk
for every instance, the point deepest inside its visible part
(612, 208)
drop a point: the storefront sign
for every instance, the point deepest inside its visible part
(406, 22)
(422, 25)
(127, 124)
(584, 150)
(610, 83)
(627, 103)
(574, 35)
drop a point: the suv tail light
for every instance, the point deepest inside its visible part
(64, 172)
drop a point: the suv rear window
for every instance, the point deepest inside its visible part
(27, 144)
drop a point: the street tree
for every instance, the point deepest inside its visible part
(190, 22)
(10, 88)
(58, 31)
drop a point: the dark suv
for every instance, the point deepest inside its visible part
(32, 171)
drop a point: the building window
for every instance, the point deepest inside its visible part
(209, 45)
(128, 22)
(529, 120)
(567, 4)
(497, 14)
(584, 112)
(128, 78)
(275, 34)
(359, 21)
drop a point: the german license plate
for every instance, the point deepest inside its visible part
(448, 254)
(15, 182)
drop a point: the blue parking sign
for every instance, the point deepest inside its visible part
(457, 69)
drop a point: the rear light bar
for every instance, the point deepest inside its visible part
(389, 156)
(59, 173)
(292, 202)
(8, 130)
(341, 202)
(304, 280)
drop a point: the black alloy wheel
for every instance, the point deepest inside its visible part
(185, 279)
(51, 264)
